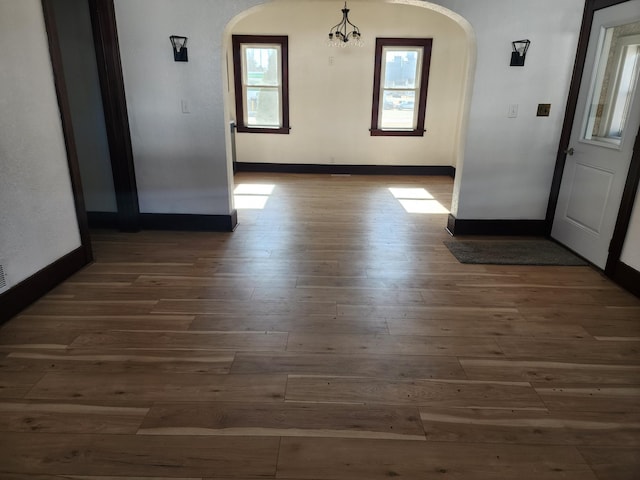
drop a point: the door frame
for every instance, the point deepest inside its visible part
(67, 128)
(613, 267)
(105, 39)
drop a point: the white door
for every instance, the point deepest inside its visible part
(604, 129)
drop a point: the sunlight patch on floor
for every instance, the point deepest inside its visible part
(417, 193)
(418, 200)
(252, 196)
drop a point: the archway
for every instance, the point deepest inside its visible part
(319, 88)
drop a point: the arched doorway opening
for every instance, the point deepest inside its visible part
(331, 90)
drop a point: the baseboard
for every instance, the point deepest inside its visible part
(103, 220)
(627, 277)
(440, 170)
(535, 228)
(20, 296)
(189, 222)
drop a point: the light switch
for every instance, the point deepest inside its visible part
(185, 106)
(513, 110)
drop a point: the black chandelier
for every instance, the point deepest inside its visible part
(345, 33)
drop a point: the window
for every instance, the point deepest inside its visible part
(400, 84)
(613, 86)
(261, 83)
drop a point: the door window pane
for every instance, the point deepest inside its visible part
(614, 84)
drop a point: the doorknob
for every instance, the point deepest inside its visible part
(569, 151)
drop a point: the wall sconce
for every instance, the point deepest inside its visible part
(520, 48)
(179, 48)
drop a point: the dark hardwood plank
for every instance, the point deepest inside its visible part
(342, 459)
(91, 307)
(17, 384)
(544, 373)
(591, 351)
(117, 455)
(96, 362)
(284, 420)
(136, 292)
(541, 427)
(346, 296)
(143, 389)
(19, 416)
(392, 345)
(372, 365)
(252, 307)
(484, 326)
(187, 340)
(64, 329)
(454, 393)
(592, 398)
(613, 463)
(290, 323)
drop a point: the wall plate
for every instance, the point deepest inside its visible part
(544, 109)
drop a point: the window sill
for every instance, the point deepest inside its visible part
(281, 131)
(376, 132)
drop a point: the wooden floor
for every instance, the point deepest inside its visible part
(331, 336)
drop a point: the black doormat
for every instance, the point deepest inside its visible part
(513, 252)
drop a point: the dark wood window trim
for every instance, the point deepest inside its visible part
(426, 43)
(283, 41)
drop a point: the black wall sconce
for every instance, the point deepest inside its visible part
(179, 48)
(520, 48)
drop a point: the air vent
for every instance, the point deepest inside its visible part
(3, 278)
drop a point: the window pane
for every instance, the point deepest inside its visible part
(624, 91)
(401, 68)
(615, 81)
(398, 109)
(262, 65)
(263, 107)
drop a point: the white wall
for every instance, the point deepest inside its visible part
(631, 250)
(85, 101)
(331, 101)
(509, 162)
(37, 220)
(180, 159)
